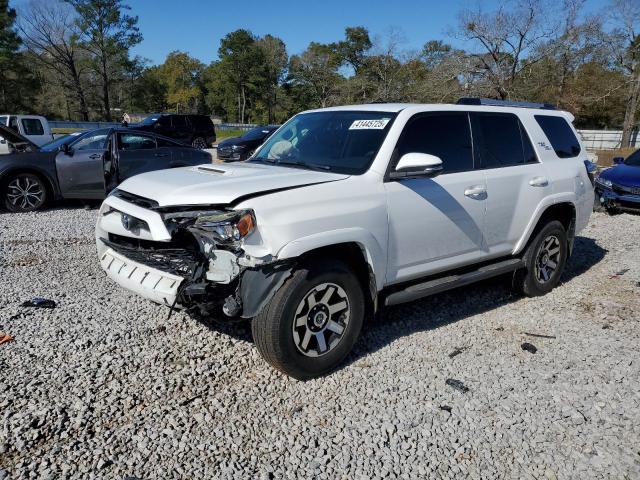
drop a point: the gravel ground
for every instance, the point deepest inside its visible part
(105, 386)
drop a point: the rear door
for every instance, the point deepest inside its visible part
(139, 153)
(181, 127)
(81, 171)
(516, 181)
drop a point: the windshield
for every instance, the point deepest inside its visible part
(340, 141)
(633, 160)
(58, 142)
(256, 133)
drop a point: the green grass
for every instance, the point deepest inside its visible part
(65, 131)
(222, 134)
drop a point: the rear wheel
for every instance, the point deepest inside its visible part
(545, 259)
(312, 322)
(24, 192)
(199, 142)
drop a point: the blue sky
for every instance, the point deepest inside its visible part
(196, 26)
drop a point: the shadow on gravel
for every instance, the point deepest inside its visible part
(435, 311)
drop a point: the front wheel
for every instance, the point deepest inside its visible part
(24, 192)
(312, 322)
(545, 259)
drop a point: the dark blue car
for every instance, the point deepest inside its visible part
(618, 187)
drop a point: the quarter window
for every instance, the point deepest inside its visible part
(560, 134)
(500, 140)
(32, 126)
(446, 135)
(132, 141)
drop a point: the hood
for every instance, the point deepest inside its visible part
(623, 175)
(219, 184)
(14, 138)
(231, 141)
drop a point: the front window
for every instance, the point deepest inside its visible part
(58, 142)
(32, 126)
(339, 141)
(94, 140)
(3, 120)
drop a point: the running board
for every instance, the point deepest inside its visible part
(442, 284)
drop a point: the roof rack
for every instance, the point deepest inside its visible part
(503, 103)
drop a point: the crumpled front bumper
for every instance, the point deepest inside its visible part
(611, 199)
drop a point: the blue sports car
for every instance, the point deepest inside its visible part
(618, 187)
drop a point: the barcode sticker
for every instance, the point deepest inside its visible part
(369, 124)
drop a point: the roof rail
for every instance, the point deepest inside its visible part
(503, 103)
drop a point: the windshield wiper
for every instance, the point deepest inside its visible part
(297, 163)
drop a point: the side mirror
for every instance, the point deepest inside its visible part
(618, 160)
(66, 149)
(417, 165)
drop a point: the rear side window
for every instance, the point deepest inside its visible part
(179, 120)
(201, 121)
(32, 126)
(165, 121)
(560, 134)
(133, 141)
(444, 134)
(500, 140)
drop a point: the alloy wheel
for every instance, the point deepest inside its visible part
(547, 259)
(25, 192)
(321, 319)
(199, 143)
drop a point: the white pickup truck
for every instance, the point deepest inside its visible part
(33, 127)
(345, 210)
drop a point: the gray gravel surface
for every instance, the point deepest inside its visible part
(105, 386)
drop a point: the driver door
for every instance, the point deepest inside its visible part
(436, 223)
(81, 169)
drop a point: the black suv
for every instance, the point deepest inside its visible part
(196, 130)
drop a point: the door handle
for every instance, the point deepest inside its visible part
(475, 190)
(162, 155)
(539, 182)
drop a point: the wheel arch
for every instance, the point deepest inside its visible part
(564, 211)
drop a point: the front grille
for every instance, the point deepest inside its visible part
(624, 190)
(163, 256)
(135, 199)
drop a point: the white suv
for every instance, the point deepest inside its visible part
(347, 209)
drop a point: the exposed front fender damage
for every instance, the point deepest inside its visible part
(258, 286)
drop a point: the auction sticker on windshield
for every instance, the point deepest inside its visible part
(369, 124)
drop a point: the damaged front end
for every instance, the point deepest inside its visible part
(206, 251)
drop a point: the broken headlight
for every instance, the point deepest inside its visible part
(227, 227)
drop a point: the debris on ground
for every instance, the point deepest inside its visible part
(457, 351)
(457, 384)
(5, 337)
(446, 408)
(619, 274)
(38, 302)
(538, 335)
(606, 326)
(499, 329)
(528, 347)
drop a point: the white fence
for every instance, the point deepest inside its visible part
(606, 139)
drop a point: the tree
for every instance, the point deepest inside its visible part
(316, 72)
(108, 34)
(180, 75)
(509, 40)
(625, 41)
(50, 32)
(274, 52)
(241, 59)
(354, 48)
(9, 45)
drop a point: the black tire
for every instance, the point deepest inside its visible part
(274, 332)
(24, 192)
(528, 280)
(199, 142)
